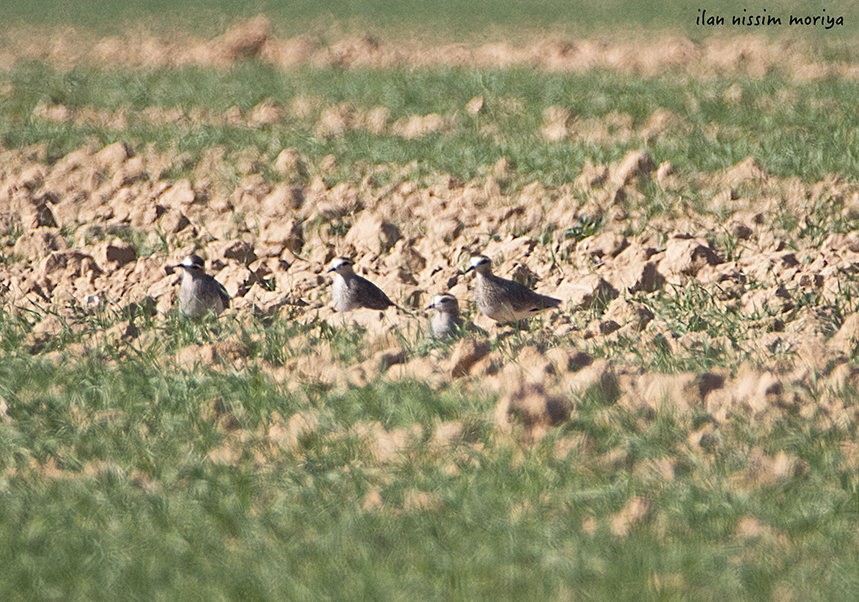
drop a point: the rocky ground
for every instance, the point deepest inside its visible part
(750, 285)
(771, 309)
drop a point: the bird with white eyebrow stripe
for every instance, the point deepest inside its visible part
(199, 292)
(352, 291)
(505, 300)
(446, 323)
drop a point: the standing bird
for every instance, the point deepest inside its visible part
(199, 292)
(505, 300)
(446, 322)
(351, 291)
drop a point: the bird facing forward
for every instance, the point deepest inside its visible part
(200, 293)
(446, 322)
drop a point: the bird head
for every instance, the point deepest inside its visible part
(193, 264)
(342, 265)
(480, 264)
(445, 303)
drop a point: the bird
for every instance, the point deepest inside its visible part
(505, 300)
(200, 293)
(351, 291)
(446, 322)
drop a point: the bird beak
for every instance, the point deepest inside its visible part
(430, 307)
(471, 267)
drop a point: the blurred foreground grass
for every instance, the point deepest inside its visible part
(126, 475)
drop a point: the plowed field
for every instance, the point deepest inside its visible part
(682, 427)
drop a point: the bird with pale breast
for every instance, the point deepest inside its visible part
(351, 291)
(446, 322)
(505, 300)
(199, 292)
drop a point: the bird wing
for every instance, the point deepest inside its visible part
(524, 302)
(375, 298)
(547, 302)
(225, 296)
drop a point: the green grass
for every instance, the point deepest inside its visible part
(445, 20)
(107, 490)
(808, 135)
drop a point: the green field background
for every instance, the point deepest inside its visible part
(440, 20)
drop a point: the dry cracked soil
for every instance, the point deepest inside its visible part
(769, 311)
